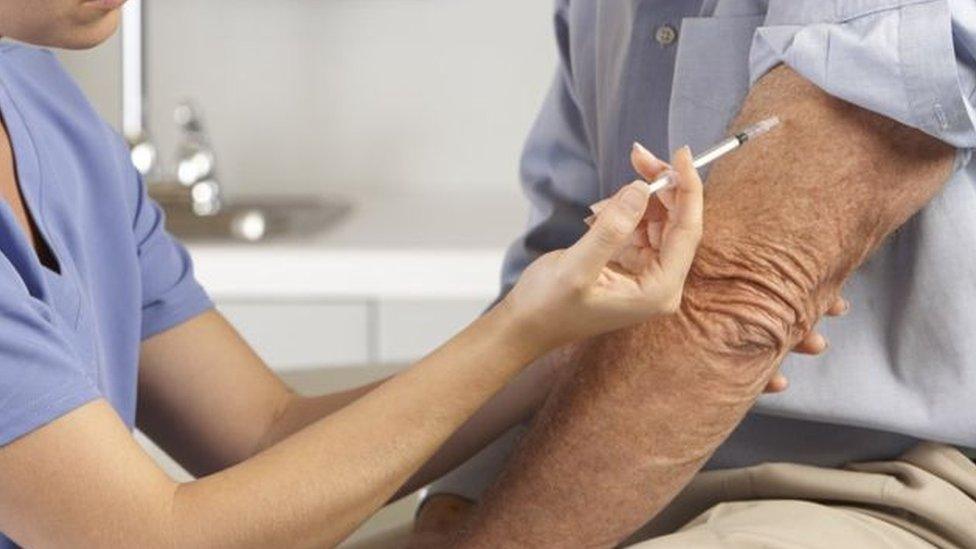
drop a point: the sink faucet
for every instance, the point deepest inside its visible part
(194, 157)
(195, 164)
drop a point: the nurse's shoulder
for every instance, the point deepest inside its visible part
(65, 125)
(35, 79)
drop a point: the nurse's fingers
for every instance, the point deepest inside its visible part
(646, 164)
(656, 210)
(596, 207)
(611, 231)
(684, 224)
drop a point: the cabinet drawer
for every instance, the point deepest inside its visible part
(408, 330)
(303, 335)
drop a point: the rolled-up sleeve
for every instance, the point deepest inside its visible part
(909, 60)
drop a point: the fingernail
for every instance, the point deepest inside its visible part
(634, 198)
(589, 220)
(641, 149)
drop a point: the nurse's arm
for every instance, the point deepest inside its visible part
(787, 220)
(82, 481)
(211, 402)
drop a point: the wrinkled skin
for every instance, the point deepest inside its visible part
(785, 224)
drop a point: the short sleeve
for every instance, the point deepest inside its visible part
(171, 294)
(41, 377)
(909, 60)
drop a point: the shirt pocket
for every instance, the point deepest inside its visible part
(711, 78)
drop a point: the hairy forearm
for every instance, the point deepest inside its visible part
(786, 222)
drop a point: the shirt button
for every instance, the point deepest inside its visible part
(665, 35)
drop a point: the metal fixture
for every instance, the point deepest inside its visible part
(141, 147)
(191, 197)
(194, 157)
(195, 161)
(258, 219)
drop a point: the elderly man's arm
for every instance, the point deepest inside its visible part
(786, 222)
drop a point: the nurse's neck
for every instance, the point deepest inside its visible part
(12, 194)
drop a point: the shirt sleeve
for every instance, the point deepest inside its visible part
(558, 175)
(41, 377)
(909, 60)
(171, 294)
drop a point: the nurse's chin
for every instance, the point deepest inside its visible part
(85, 30)
(89, 34)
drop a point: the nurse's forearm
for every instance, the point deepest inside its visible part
(787, 220)
(513, 404)
(316, 486)
(82, 480)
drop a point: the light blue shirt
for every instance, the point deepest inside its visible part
(902, 364)
(71, 335)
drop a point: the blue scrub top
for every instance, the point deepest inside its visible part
(69, 337)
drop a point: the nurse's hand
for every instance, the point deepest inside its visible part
(572, 294)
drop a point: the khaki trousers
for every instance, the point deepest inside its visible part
(925, 498)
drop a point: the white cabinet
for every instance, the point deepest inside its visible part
(302, 334)
(408, 330)
(299, 335)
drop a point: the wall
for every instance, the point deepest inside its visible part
(333, 95)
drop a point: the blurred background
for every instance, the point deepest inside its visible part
(344, 172)
(343, 95)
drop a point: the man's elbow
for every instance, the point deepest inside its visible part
(750, 304)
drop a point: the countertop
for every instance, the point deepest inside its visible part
(405, 246)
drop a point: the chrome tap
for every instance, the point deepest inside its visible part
(194, 156)
(195, 161)
(134, 127)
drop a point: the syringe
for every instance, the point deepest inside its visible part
(718, 151)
